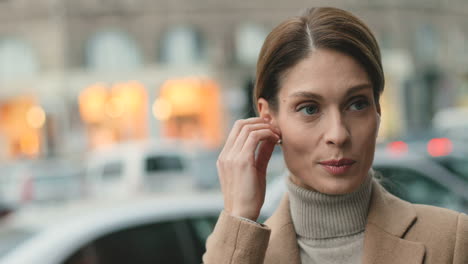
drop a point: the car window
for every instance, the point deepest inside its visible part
(152, 243)
(163, 163)
(456, 165)
(112, 170)
(415, 187)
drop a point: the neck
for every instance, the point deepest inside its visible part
(319, 216)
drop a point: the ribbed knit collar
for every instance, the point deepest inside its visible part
(319, 216)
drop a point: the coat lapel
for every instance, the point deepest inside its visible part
(388, 221)
(282, 248)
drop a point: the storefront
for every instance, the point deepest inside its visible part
(190, 109)
(22, 121)
(114, 113)
(186, 109)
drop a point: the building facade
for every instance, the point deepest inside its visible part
(67, 68)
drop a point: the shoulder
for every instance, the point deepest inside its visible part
(435, 222)
(439, 221)
(432, 215)
(442, 232)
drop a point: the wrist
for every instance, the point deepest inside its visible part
(245, 214)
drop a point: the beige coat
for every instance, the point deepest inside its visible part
(396, 232)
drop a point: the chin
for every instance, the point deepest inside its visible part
(333, 185)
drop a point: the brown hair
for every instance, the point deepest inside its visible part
(295, 38)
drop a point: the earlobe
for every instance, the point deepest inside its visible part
(378, 125)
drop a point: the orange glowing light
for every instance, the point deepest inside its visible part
(35, 117)
(132, 96)
(114, 107)
(195, 110)
(29, 144)
(21, 122)
(184, 96)
(92, 103)
(115, 112)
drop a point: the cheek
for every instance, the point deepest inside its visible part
(297, 150)
(364, 134)
(299, 139)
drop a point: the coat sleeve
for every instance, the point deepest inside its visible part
(460, 255)
(236, 241)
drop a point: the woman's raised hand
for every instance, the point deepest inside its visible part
(241, 172)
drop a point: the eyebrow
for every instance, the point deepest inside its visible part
(349, 92)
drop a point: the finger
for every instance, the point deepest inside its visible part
(264, 154)
(236, 129)
(244, 134)
(253, 140)
(220, 175)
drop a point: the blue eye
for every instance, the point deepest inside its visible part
(359, 105)
(309, 109)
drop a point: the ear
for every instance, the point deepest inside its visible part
(378, 120)
(378, 109)
(265, 111)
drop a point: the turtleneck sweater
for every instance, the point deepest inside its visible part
(330, 228)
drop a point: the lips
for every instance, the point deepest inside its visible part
(340, 162)
(337, 167)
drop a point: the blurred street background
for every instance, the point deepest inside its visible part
(111, 102)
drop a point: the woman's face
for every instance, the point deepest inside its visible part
(328, 121)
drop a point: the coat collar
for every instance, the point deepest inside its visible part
(282, 247)
(388, 221)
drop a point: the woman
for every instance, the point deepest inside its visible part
(319, 80)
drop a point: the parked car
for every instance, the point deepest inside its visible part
(204, 171)
(455, 163)
(147, 230)
(139, 167)
(412, 177)
(206, 175)
(450, 153)
(418, 179)
(38, 181)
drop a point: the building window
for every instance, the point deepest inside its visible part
(427, 44)
(17, 60)
(182, 45)
(112, 51)
(249, 40)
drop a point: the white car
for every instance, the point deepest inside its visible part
(147, 230)
(40, 181)
(136, 167)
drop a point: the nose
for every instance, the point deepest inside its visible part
(336, 132)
